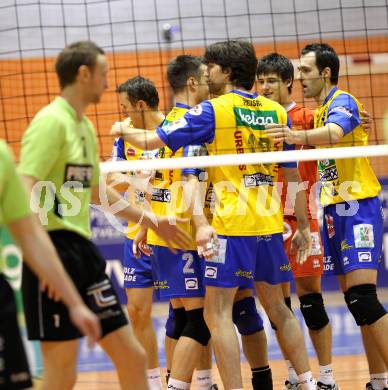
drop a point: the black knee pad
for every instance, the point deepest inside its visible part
(196, 327)
(287, 301)
(246, 317)
(313, 310)
(364, 305)
(176, 323)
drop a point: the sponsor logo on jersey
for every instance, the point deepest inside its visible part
(196, 110)
(328, 264)
(341, 110)
(82, 173)
(345, 245)
(191, 283)
(244, 274)
(257, 179)
(316, 263)
(363, 236)
(364, 257)
(315, 244)
(161, 284)
(170, 127)
(130, 152)
(211, 272)
(161, 195)
(255, 119)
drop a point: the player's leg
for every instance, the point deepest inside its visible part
(376, 365)
(218, 316)
(14, 371)
(272, 269)
(366, 308)
(176, 321)
(254, 341)
(128, 357)
(138, 284)
(360, 246)
(233, 268)
(308, 289)
(59, 364)
(203, 370)
(194, 338)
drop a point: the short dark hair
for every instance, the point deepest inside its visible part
(325, 56)
(72, 57)
(279, 64)
(239, 57)
(140, 88)
(181, 68)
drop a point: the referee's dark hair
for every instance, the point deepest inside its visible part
(181, 68)
(139, 88)
(72, 57)
(325, 57)
(278, 64)
(239, 57)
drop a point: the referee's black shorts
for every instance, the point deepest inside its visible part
(49, 320)
(14, 371)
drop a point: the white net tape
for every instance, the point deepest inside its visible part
(247, 158)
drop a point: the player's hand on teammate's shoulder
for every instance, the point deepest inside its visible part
(301, 244)
(207, 242)
(87, 322)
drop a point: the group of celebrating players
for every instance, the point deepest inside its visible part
(237, 229)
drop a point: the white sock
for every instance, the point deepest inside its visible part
(292, 376)
(379, 381)
(204, 379)
(154, 380)
(307, 381)
(326, 375)
(174, 384)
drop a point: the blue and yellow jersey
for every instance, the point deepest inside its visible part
(122, 150)
(167, 193)
(350, 178)
(247, 200)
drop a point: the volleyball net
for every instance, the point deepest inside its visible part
(141, 37)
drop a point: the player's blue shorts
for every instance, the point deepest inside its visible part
(137, 272)
(352, 242)
(244, 260)
(178, 275)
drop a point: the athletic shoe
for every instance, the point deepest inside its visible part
(322, 386)
(291, 386)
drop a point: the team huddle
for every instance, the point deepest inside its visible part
(209, 239)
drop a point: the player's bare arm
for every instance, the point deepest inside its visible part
(206, 236)
(141, 138)
(328, 134)
(302, 237)
(112, 201)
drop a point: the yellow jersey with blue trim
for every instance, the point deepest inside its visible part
(247, 201)
(167, 193)
(122, 150)
(351, 178)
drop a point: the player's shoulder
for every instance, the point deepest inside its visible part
(269, 104)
